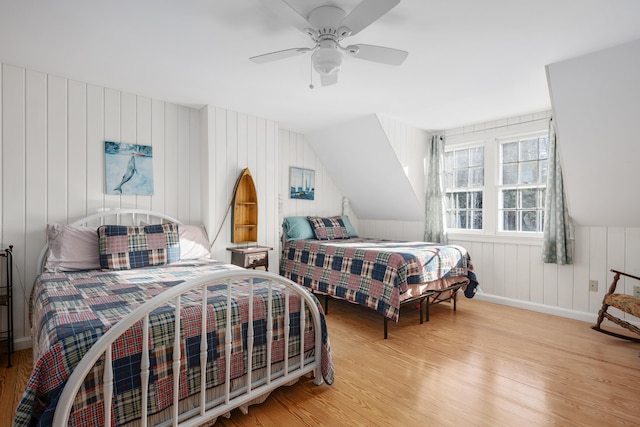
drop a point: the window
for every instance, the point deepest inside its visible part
(464, 182)
(523, 177)
(497, 185)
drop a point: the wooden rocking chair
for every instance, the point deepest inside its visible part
(627, 303)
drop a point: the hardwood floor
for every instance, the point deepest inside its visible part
(483, 365)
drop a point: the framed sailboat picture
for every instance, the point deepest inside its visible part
(302, 183)
(128, 168)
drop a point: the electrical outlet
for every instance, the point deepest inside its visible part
(636, 291)
(593, 285)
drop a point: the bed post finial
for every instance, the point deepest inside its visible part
(345, 206)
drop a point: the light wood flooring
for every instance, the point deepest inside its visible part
(483, 365)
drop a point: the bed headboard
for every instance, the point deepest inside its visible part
(112, 217)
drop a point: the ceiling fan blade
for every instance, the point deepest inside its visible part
(284, 8)
(385, 55)
(281, 54)
(365, 13)
(328, 79)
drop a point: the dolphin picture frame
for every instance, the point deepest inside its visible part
(128, 168)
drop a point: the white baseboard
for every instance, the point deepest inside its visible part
(22, 343)
(540, 308)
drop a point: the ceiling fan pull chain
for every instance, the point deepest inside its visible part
(311, 73)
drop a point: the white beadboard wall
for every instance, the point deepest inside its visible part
(297, 152)
(52, 161)
(510, 270)
(233, 141)
(52, 133)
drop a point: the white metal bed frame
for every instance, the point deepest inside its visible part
(208, 410)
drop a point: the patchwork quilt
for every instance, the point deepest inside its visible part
(73, 310)
(371, 272)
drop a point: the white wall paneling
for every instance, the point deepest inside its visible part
(233, 141)
(77, 148)
(143, 137)
(183, 148)
(52, 166)
(14, 176)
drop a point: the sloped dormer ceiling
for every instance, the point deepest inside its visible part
(596, 105)
(367, 170)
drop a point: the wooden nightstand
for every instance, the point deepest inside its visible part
(251, 257)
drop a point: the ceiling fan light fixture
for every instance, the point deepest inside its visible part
(327, 59)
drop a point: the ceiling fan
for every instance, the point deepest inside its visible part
(328, 26)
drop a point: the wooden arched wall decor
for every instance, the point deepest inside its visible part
(244, 218)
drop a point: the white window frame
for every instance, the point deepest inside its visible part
(491, 191)
(470, 189)
(499, 186)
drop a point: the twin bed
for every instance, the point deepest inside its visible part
(104, 342)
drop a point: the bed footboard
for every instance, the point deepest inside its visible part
(247, 362)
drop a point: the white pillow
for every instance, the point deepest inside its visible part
(72, 248)
(194, 243)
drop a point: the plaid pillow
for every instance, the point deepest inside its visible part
(328, 228)
(125, 247)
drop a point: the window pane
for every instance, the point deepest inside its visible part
(461, 159)
(529, 149)
(462, 219)
(510, 174)
(476, 220)
(448, 161)
(447, 201)
(528, 173)
(509, 220)
(543, 195)
(543, 171)
(510, 152)
(543, 146)
(509, 199)
(529, 198)
(451, 219)
(529, 221)
(462, 178)
(476, 156)
(461, 200)
(448, 180)
(477, 177)
(475, 201)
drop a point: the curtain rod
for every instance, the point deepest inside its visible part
(512, 124)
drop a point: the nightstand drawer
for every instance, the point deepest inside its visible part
(256, 259)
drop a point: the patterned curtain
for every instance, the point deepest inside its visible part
(434, 223)
(557, 247)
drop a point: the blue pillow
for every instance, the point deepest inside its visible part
(297, 228)
(347, 224)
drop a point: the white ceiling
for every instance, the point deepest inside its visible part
(469, 60)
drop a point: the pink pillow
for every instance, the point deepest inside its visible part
(194, 243)
(72, 248)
